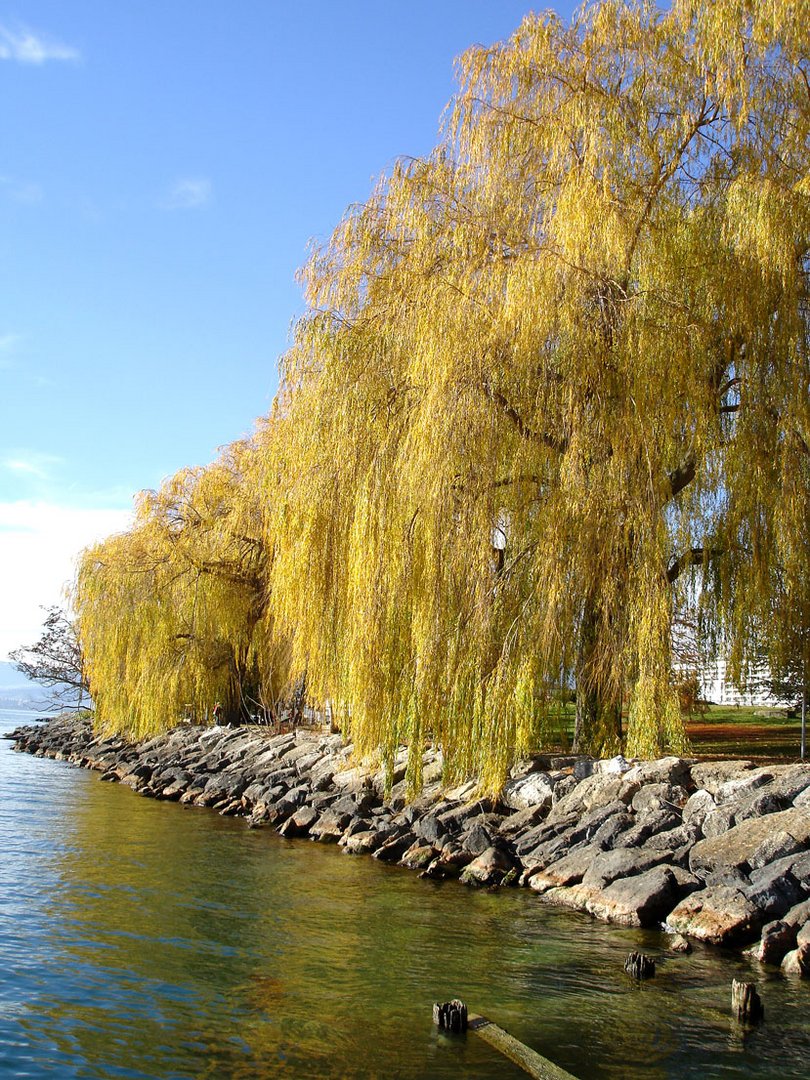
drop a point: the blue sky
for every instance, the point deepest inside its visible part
(165, 164)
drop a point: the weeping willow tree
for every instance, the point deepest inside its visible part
(550, 378)
(173, 614)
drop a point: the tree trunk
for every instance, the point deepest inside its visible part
(598, 718)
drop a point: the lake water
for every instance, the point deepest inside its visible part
(150, 940)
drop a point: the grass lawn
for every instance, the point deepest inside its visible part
(758, 734)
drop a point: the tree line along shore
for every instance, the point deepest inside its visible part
(549, 393)
(714, 851)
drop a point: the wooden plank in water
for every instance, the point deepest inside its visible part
(529, 1060)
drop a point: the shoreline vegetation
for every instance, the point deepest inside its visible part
(542, 427)
(716, 851)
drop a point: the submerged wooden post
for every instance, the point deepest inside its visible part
(746, 1003)
(529, 1060)
(639, 966)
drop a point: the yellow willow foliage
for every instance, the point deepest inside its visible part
(172, 615)
(546, 372)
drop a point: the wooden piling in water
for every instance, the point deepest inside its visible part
(746, 1003)
(529, 1060)
(639, 966)
(450, 1015)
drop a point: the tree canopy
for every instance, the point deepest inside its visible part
(550, 380)
(173, 614)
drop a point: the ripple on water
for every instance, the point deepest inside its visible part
(145, 939)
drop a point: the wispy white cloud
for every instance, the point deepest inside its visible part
(189, 193)
(39, 542)
(26, 46)
(32, 463)
(22, 191)
(8, 342)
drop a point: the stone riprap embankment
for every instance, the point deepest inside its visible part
(717, 851)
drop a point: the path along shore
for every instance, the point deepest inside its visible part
(716, 851)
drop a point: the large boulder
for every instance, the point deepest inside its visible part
(711, 775)
(568, 870)
(364, 842)
(775, 847)
(781, 885)
(476, 840)
(517, 825)
(300, 823)
(719, 915)
(607, 866)
(594, 791)
(778, 938)
(735, 847)
(797, 962)
(490, 868)
(418, 856)
(642, 900)
(672, 771)
(534, 790)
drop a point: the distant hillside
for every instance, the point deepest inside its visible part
(17, 692)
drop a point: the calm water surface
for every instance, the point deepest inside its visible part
(144, 939)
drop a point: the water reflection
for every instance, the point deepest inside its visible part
(167, 942)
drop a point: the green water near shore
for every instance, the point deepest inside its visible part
(144, 939)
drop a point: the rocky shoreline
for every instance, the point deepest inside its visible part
(716, 851)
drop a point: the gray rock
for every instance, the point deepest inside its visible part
(583, 767)
(647, 825)
(799, 914)
(536, 789)
(653, 797)
(682, 836)
(778, 887)
(669, 771)
(595, 791)
(364, 842)
(719, 915)
(607, 866)
(777, 846)
(394, 848)
(489, 868)
(331, 825)
(711, 775)
(565, 786)
(778, 938)
(568, 870)
(518, 824)
(766, 801)
(550, 852)
(610, 832)
(738, 844)
(643, 900)
(614, 766)
(299, 823)
(476, 840)
(797, 962)
(718, 821)
(742, 787)
(418, 856)
(732, 876)
(452, 859)
(591, 821)
(429, 829)
(791, 781)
